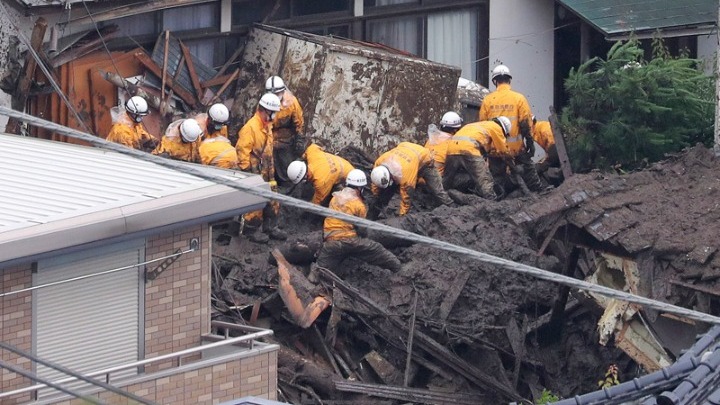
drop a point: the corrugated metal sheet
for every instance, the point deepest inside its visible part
(93, 324)
(623, 16)
(44, 181)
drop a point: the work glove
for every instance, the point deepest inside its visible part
(530, 146)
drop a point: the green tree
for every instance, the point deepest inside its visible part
(626, 111)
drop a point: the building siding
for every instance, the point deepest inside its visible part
(177, 314)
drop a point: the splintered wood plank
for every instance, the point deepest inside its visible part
(453, 293)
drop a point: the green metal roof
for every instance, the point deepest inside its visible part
(619, 17)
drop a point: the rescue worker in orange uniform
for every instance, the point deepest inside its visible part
(288, 128)
(128, 129)
(513, 105)
(180, 141)
(255, 155)
(400, 168)
(341, 239)
(467, 150)
(549, 167)
(437, 142)
(215, 148)
(324, 170)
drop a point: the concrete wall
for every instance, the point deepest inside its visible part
(521, 37)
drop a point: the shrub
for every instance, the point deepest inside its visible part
(625, 111)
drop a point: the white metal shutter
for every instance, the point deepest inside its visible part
(93, 323)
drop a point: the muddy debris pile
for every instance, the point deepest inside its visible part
(447, 328)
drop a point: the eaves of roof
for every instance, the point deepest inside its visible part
(618, 18)
(55, 195)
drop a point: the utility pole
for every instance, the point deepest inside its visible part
(717, 86)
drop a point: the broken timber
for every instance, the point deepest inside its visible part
(426, 343)
(415, 395)
(23, 87)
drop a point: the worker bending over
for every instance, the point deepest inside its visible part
(255, 155)
(549, 166)
(437, 142)
(128, 129)
(468, 149)
(180, 141)
(399, 169)
(340, 238)
(323, 170)
(513, 105)
(216, 149)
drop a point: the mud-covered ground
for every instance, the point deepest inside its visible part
(493, 306)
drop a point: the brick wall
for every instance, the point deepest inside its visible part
(177, 302)
(177, 314)
(16, 327)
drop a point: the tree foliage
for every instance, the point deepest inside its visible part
(626, 111)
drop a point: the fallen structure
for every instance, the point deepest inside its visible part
(353, 93)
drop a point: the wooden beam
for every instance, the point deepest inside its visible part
(72, 54)
(228, 62)
(133, 9)
(164, 66)
(215, 81)
(224, 86)
(560, 144)
(21, 93)
(185, 95)
(191, 70)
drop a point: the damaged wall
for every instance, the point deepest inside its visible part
(10, 51)
(351, 93)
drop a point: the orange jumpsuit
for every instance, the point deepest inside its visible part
(255, 155)
(288, 134)
(325, 171)
(127, 132)
(173, 146)
(466, 150)
(406, 163)
(542, 134)
(342, 241)
(505, 101)
(216, 150)
(437, 144)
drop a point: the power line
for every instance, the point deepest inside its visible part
(68, 280)
(79, 376)
(398, 233)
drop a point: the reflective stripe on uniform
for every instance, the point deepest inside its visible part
(466, 138)
(220, 156)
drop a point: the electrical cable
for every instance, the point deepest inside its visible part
(79, 376)
(44, 69)
(365, 223)
(67, 280)
(31, 376)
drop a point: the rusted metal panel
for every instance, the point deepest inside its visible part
(351, 93)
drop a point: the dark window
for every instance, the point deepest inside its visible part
(244, 13)
(306, 7)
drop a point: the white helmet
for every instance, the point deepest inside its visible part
(380, 176)
(275, 84)
(501, 70)
(356, 178)
(190, 130)
(270, 102)
(451, 119)
(136, 105)
(296, 171)
(219, 113)
(504, 123)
